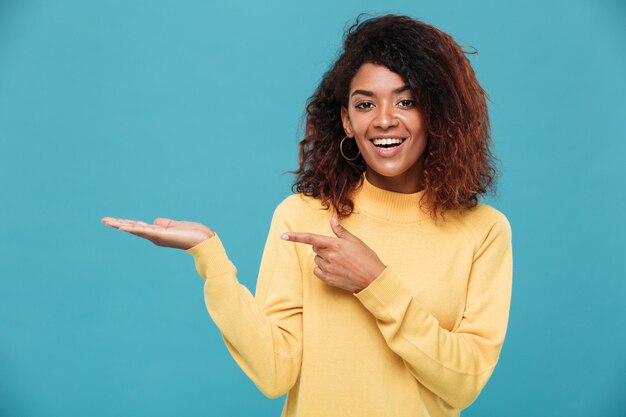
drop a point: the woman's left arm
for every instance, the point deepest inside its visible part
(456, 364)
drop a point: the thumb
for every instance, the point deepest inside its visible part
(340, 231)
(161, 221)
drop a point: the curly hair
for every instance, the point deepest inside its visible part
(458, 166)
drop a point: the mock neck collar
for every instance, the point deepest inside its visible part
(388, 205)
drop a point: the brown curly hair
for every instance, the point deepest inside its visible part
(459, 165)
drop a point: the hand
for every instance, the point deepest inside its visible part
(164, 232)
(345, 261)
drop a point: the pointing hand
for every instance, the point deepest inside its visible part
(343, 261)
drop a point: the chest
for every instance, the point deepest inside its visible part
(433, 263)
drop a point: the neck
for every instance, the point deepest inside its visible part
(390, 205)
(408, 182)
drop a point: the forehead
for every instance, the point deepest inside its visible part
(374, 77)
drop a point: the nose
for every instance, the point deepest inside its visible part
(385, 118)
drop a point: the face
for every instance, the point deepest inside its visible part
(383, 119)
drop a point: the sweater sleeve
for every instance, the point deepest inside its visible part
(455, 365)
(263, 333)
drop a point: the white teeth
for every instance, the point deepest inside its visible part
(387, 141)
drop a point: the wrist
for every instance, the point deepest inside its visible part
(375, 274)
(198, 241)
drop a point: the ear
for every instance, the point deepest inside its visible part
(345, 120)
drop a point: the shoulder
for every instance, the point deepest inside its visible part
(299, 203)
(484, 215)
(296, 208)
(486, 223)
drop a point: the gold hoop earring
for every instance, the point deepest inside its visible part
(343, 154)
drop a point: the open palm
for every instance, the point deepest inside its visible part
(164, 232)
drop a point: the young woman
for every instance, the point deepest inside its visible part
(401, 309)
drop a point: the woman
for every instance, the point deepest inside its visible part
(400, 310)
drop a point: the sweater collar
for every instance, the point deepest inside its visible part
(388, 205)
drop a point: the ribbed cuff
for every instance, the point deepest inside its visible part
(383, 294)
(210, 258)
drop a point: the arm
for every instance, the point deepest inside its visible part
(263, 333)
(455, 365)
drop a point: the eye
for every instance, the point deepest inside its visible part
(407, 103)
(364, 105)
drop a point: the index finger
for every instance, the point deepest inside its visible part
(309, 239)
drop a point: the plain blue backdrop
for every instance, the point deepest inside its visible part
(193, 110)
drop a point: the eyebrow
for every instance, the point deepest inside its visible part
(371, 94)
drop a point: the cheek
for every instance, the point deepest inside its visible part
(362, 144)
(414, 123)
(359, 124)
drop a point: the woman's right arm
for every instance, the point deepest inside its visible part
(263, 333)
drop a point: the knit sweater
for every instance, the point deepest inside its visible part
(421, 340)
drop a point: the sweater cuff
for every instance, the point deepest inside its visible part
(383, 294)
(210, 258)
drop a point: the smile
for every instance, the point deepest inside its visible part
(387, 142)
(387, 147)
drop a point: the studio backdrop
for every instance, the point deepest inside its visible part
(192, 110)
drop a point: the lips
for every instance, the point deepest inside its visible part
(387, 146)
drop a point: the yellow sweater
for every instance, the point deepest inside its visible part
(420, 340)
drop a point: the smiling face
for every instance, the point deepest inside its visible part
(383, 119)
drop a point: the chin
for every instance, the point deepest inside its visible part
(386, 171)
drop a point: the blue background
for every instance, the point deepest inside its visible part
(192, 110)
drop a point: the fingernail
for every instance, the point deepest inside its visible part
(284, 236)
(334, 220)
